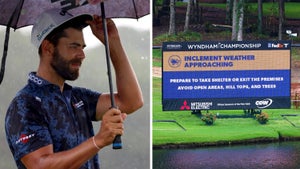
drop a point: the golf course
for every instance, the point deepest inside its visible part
(180, 129)
(171, 129)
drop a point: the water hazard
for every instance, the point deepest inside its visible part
(284, 155)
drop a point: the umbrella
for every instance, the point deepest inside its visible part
(20, 13)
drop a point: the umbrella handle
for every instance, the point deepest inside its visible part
(117, 143)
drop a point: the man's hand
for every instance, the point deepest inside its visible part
(111, 126)
(97, 28)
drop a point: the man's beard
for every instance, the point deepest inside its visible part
(61, 66)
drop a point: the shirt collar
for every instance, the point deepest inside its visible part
(33, 78)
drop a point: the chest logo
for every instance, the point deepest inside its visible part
(78, 105)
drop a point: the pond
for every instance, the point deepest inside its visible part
(284, 155)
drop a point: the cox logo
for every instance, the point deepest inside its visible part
(263, 103)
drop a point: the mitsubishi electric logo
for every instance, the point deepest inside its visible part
(264, 103)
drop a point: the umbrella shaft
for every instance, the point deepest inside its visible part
(117, 143)
(113, 105)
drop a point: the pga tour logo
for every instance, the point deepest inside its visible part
(263, 103)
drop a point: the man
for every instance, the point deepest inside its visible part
(49, 123)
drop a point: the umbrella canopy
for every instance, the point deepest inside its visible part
(20, 13)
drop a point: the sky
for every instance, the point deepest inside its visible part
(144, 23)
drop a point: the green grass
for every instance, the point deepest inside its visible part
(179, 37)
(291, 9)
(156, 53)
(224, 131)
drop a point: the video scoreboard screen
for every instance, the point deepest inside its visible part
(226, 75)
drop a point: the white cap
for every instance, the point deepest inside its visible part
(52, 19)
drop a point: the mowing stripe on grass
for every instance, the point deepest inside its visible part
(170, 121)
(293, 123)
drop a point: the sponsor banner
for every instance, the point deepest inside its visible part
(215, 71)
(226, 103)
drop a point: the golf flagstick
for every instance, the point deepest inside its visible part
(117, 143)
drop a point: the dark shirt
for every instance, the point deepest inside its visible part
(41, 115)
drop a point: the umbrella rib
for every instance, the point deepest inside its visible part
(18, 8)
(6, 40)
(135, 10)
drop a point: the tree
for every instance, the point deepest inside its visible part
(195, 11)
(281, 18)
(187, 16)
(240, 20)
(260, 16)
(229, 4)
(154, 14)
(237, 20)
(234, 18)
(172, 18)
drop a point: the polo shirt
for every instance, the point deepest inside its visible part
(40, 115)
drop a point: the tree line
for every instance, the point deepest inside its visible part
(235, 14)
